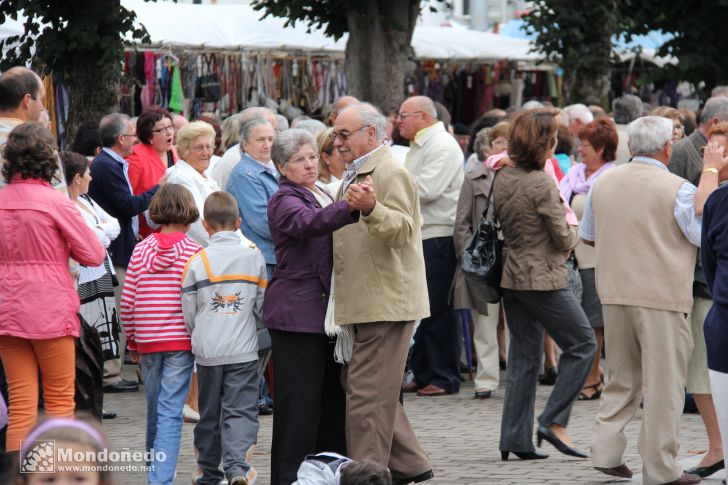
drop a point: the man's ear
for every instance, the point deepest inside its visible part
(207, 227)
(27, 99)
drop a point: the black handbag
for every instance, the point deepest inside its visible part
(208, 85)
(89, 384)
(482, 260)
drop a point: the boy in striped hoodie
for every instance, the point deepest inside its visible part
(151, 314)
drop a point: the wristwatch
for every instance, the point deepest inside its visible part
(712, 170)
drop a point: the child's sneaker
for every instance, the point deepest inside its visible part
(249, 479)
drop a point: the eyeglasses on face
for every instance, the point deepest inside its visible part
(163, 129)
(202, 148)
(404, 116)
(344, 135)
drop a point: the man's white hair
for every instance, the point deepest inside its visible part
(649, 134)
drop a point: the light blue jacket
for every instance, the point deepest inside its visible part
(253, 185)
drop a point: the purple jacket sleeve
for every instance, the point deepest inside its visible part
(294, 216)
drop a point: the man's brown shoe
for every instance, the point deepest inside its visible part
(621, 471)
(685, 479)
(432, 390)
(410, 387)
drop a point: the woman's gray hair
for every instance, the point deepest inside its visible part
(649, 135)
(289, 142)
(481, 141)
(247, 129)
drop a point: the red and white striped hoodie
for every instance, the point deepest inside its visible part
(151, 302)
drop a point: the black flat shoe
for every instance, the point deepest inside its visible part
(549, 376)
(524, 455)
(483, 394)
(428, 475)
(107, 414)
(706, 471)
(546, 434)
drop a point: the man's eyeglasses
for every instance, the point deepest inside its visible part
(163, 129)
(301, 160)
(404, 116)
(344, 135)
(133, 135)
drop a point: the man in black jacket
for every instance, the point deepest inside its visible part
(110, 188)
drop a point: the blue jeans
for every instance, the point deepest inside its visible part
(166, 382)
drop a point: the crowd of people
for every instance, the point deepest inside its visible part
(201, 249)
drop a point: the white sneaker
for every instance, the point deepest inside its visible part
(189, 415)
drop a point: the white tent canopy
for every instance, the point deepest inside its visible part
(240, 27)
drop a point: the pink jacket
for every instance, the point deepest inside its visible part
(40, 229)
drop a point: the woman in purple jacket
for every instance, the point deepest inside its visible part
(309, 400)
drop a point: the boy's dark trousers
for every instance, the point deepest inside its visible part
(228, 426)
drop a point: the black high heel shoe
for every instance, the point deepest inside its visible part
(546, 434)
(524, 455)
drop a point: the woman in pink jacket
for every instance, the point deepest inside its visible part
(40, 229)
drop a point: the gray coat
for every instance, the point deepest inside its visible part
(471, 203)
(686, 160)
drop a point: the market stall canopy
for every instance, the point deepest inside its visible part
(240, 27)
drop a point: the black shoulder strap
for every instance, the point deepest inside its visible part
(490, 200)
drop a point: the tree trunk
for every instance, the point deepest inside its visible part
(587, 58)
(380, 33)
(93, 82)
(90, 96)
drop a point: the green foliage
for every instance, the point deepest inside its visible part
(700, 42)
(65, 33)
(576, 34)
(329, 15)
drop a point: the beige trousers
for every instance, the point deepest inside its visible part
(113, 367)
(647, 357)
(377, 429)
(485, 338)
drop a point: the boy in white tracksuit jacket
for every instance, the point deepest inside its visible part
(222, 296)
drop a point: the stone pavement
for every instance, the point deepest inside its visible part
(459, 433)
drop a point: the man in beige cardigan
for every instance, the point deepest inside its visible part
(380, 288)
(646, 293)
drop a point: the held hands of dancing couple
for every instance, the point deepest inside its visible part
(361, 196)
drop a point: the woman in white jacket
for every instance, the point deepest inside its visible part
(95, 284)
(196, 146)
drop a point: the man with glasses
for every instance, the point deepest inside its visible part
(379, 288)
(436, 162)
(111, 189)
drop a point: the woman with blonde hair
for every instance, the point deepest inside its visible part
(195, 145)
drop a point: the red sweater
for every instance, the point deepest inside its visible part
(151, 302)
(145, 171)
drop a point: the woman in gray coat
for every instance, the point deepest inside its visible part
(538, 240)
(471, 203)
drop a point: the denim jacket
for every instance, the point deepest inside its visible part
(253, 185)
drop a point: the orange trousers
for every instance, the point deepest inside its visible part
(22, 358)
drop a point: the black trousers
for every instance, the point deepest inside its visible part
(435, 353)
(310, 404)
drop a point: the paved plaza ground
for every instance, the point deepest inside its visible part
(459, 433)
